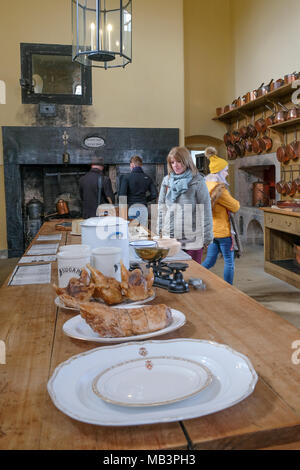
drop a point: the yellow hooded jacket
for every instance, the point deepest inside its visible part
(222, 201)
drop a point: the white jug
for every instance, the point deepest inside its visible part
(106, 231)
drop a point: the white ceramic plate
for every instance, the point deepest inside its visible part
(151, 382)
(70, 386)
(78, 328)
(59, 303)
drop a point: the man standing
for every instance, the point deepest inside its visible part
(95, 189)
(135, 187)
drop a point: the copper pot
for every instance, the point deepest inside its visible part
(229, 107)
(231, 152)
(280, 116)
(258, 145)
(281, 152)
(289, 78)
(227, 139)
(250, 96)
(263, 89)
(277, 84)
(240, 148)
(248, 145)
(219, 111)
(293, 149)
(293, 113)
(243, 132)
(268, 142)
(261, 125)
(251, 130)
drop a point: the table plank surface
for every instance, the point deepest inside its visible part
(31, 326)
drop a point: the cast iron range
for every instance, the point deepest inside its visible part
(167, 275)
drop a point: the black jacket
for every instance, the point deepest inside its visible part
(88, 189)
(135, 185)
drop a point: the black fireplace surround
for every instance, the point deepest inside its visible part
(45, 146)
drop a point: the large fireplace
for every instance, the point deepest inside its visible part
(252, 176)
(34, 167)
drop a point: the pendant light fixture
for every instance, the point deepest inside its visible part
(102, 33)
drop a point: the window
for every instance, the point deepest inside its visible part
(49, 75)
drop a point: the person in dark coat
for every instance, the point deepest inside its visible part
(139, 189)
(88, 189)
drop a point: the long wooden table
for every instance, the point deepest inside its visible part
(31, 327)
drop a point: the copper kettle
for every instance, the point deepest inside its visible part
(61, 208)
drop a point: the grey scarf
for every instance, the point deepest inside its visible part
(178, 184)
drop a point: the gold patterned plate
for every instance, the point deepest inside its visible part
(152, 381)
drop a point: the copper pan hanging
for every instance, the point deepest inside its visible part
(288, 185)
(280, 152)
(268, 142)
(270, 120)
(258, 145)
(281, 115)
(280, 184)
(293, 148)
(227, 139)
(239, 148)
(252, 132)
(261, 125)
(232, 155)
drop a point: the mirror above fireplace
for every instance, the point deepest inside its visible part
(48, 75)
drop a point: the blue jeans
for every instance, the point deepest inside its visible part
(221, 245)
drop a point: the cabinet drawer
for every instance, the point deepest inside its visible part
(285, 223)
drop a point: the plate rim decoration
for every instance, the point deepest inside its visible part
(149, 364)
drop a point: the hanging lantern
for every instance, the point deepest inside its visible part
(102, 32)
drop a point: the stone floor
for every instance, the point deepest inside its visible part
(276, 295)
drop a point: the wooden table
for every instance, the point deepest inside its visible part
(282, 229)
(31, 327)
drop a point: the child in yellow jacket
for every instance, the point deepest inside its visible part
(222, 203)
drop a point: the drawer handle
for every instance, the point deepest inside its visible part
(288, 223)
(271, 219)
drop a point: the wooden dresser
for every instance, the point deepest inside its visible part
(282, 229)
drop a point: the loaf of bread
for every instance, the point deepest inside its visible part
(111, 322)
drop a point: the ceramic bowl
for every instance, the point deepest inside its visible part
(152, 253)
(172, 244)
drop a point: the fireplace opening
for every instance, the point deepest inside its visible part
(257, 185)
(42, 187)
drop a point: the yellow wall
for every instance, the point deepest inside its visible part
(266, 41)
(209, 64)
(147, 93)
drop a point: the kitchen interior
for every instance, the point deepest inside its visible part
(221, 85)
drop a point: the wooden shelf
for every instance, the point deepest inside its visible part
(284, 125)
(252, 105)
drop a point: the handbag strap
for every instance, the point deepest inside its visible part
(99, 189)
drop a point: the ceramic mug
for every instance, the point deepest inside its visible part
(106, 259)
(74, 248)
(70, 264)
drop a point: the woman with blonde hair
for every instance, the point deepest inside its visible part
(184, 209)
(222, 204)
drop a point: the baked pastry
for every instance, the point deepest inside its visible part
(135, 285)
(111, 322)
(106, 288)
(80, 289)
